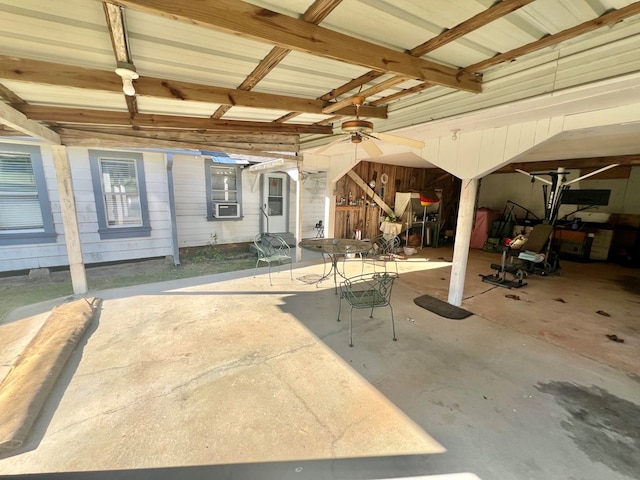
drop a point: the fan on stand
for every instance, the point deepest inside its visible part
(361, 132)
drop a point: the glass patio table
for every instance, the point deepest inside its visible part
(334, 248)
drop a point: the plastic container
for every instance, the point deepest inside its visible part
(410, 251)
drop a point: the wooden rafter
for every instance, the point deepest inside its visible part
(36, 71)
(317, 12)
(16, 120)
(606, 19)
(10, 96)
(262, 141)
(257, 23)
(496, 11)
(186, 138)
(548, 41)
(114, 15)
(105, 117)
(80, 138)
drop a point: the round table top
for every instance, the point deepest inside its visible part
(335, 246)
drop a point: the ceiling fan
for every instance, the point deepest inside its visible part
(361, 131)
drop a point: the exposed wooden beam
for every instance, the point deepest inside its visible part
(548, 41)
(114, 15)
(36, 71)
(10, 96)
(401, 93)
(575, 163)
(16, 120)
(317, 12)
(350, 85)
(363, 185)
(496, 11)
(377, 88)
(605, 19)
(73, 136)
(251, 141)
(105, 117)
(249, 21)
(79, 138)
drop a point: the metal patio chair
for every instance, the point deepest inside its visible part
(368, 291)
(383, 251)
(272, 248)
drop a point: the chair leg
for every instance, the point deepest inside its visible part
(393, 324)
(270, 282)
(291, 268)
(351, 327)
(255, 270)
(339, 307)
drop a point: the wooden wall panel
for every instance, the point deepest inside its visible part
(399, 179)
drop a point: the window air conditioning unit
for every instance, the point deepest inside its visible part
(226, 210)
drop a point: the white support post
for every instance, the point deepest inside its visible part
(462, 240)
(69, 219)
(299, 226)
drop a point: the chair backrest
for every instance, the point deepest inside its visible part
(382, 245)
(538, 238)
(270, 244)
(369, 290)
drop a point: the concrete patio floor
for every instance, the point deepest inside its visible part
(230, 377)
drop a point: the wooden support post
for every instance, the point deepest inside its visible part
(69, 219)
(462, 240)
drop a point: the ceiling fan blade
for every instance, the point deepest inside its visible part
(409, 142)
(371, 148)
(326, 147)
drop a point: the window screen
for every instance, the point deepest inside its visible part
(19, 203)
(121, 192)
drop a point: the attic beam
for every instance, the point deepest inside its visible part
(36, 71)
(16, 120)
(246, 20)
(317, 12)
(114, 15)
(106, 117)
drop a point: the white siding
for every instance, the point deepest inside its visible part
(27, 256)
(314, 195)
(191, 207)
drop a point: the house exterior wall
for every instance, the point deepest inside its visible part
(38, 255)
(194, 229)
(314, 195)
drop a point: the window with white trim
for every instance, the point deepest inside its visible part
(224, 190)
(25, 211)
(119, 189)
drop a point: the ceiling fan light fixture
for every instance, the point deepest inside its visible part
(356, 138)
(357, 126)
(128, 73)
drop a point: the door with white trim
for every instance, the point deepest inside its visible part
(275, 201)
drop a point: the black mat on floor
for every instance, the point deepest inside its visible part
(441, 308)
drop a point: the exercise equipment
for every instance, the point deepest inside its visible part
(530, 251)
